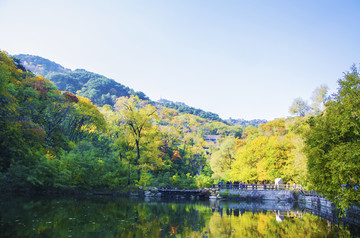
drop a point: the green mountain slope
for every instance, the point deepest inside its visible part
(40, 66)
(183, 108)
(102, 90)
(98, 88)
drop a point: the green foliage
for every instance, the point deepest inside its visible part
(182, 181)
(137, 117)
(99, 89)
(332, 145)
(40, 129)
(203, 181)
(223, 158)
(162, 180)
(88, 166)
(267, 152)
(146, 179)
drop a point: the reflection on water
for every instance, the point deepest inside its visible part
(44, 216)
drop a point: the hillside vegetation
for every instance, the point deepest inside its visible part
(99, 89)
(40, 66)
(56, 140)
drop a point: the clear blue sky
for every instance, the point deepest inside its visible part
(240, 59)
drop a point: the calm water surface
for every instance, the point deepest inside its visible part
(49, 216)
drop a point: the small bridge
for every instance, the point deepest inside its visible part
(184, 193)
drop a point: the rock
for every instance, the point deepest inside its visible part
(148, 194)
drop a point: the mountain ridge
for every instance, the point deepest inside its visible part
(102, 90)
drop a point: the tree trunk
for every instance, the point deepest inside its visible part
(138, 157)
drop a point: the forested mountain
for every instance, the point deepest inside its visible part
(102, 90)
(99, 89)
(183, 108)
(246, 123)
(40, 66)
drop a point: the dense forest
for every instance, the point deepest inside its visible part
(66, 136)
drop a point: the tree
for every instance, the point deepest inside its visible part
(138, 117)
(299, 107)
(333, 145)
(296, 168)
(268, 153)
(223, 158)
(319, 98)
(274, 163)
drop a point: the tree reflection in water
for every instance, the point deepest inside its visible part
(123, 217)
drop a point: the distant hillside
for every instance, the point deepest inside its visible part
(99, 89)
(183, 108)
(245, 123)
(40, 66)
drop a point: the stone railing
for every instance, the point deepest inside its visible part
(296, 187)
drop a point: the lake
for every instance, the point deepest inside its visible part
(102, 216)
